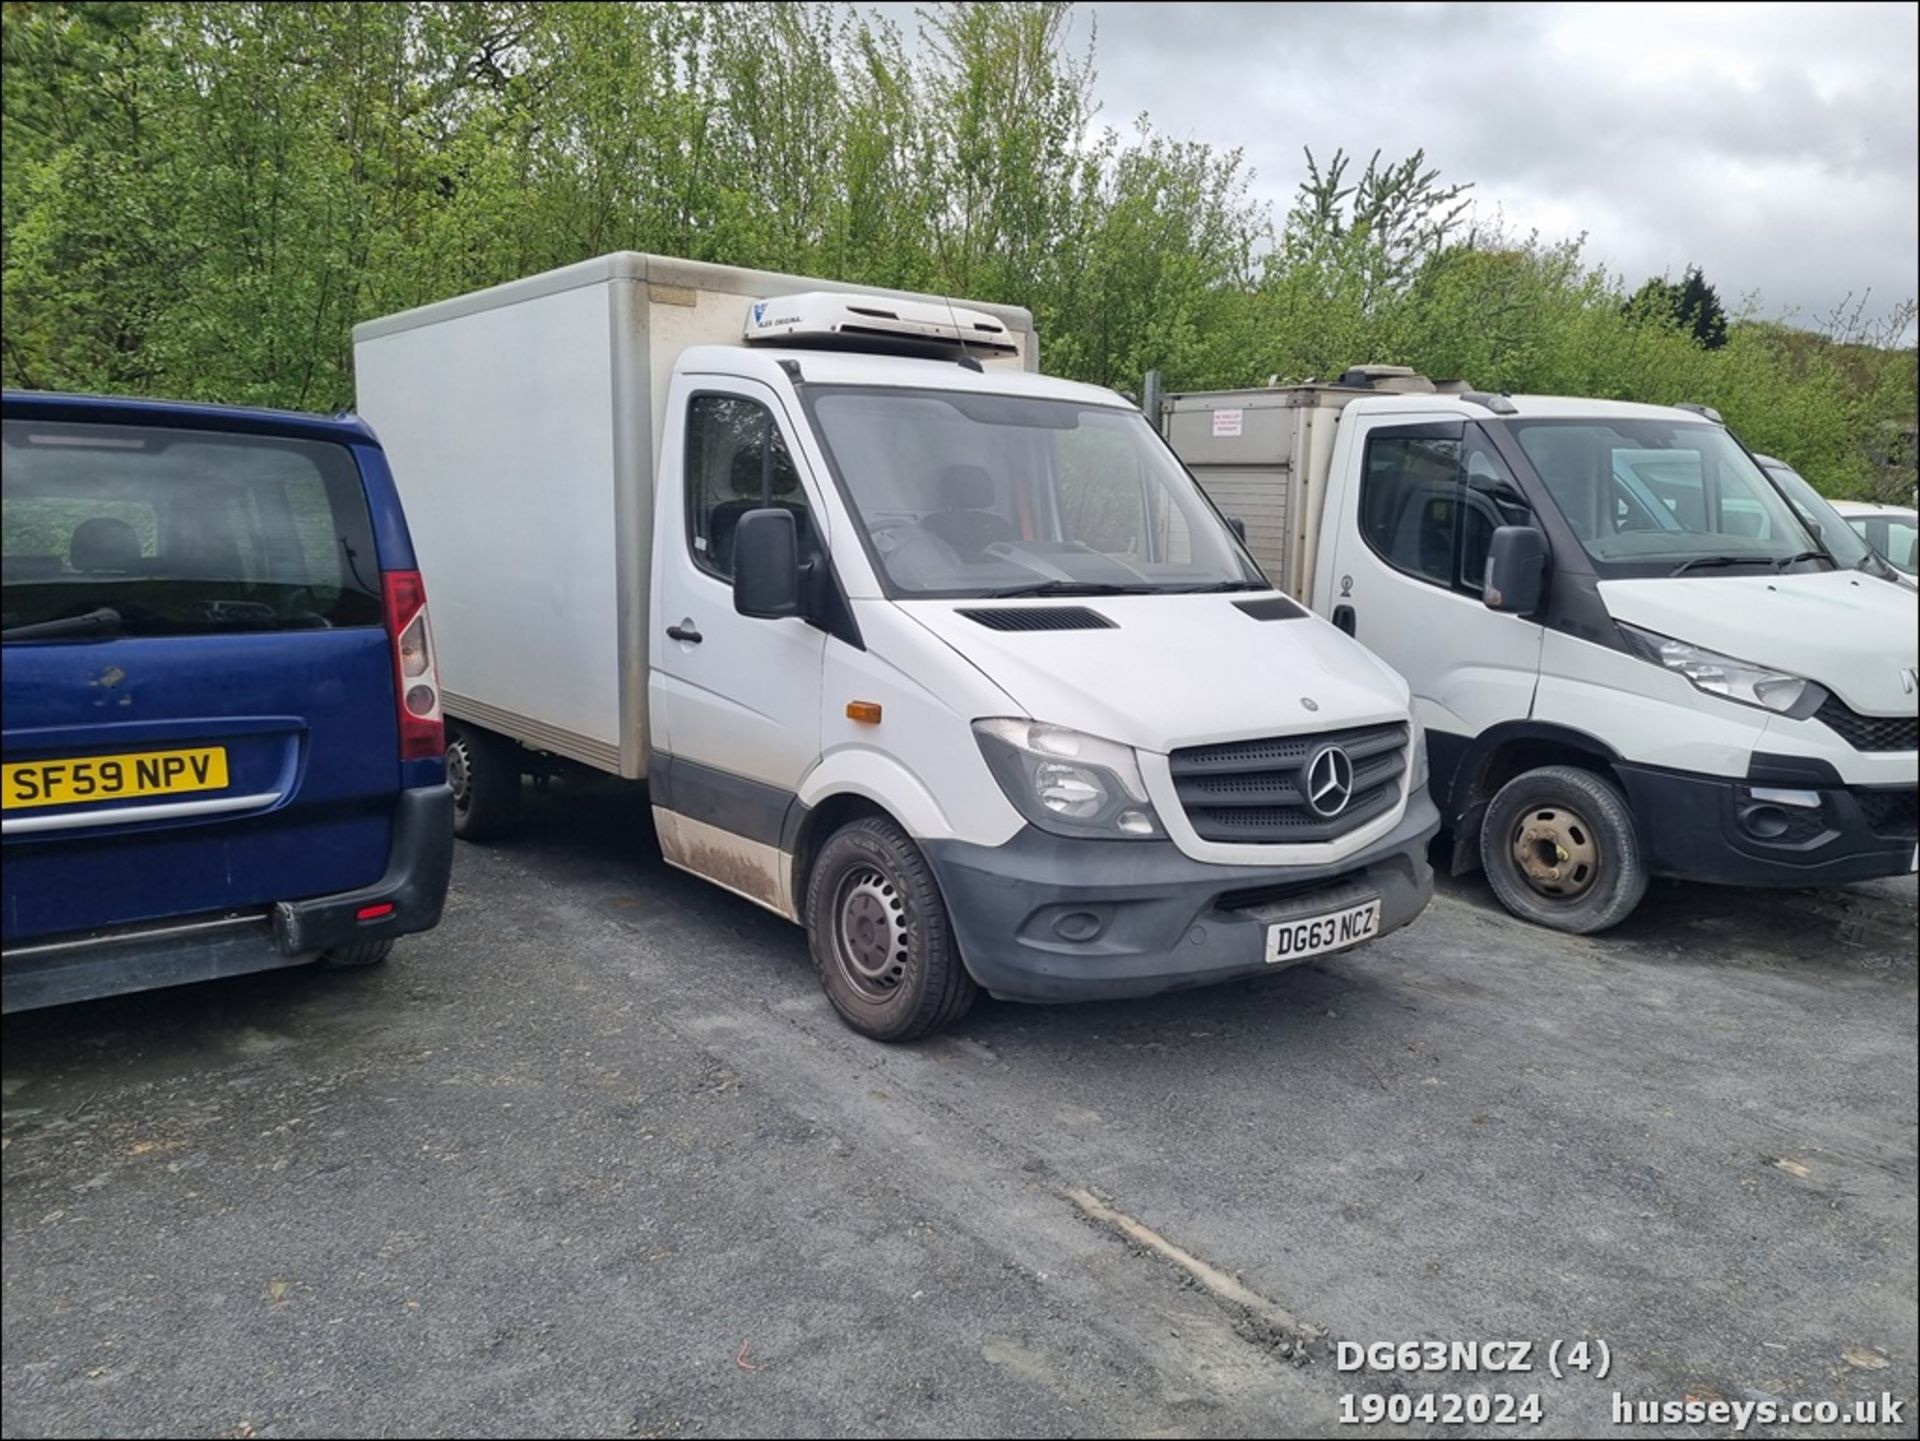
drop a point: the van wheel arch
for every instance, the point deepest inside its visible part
(816, 826)
(1503, 752)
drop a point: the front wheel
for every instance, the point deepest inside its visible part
(1560, 849)
(880, 935)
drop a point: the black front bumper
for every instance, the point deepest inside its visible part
(1716, 829)
(1048, 918)
(53, 971)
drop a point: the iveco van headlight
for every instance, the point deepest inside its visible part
(1066, 782)
(1724, 676)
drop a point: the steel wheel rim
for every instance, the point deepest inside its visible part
(1555, 851)
(870, 933)
(459, 778)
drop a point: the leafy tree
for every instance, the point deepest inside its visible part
(1381, 228)
(202, 199)
(1689, 303)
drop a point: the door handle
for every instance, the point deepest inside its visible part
(1343, 619)
(685, 631)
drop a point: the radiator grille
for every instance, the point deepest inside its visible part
(1870, 732)
(1257, 791)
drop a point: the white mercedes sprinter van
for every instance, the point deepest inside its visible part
(950, 662)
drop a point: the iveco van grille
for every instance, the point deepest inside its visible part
(1261, 792)
(1870, 732)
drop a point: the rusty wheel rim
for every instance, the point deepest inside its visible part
(1555, 852)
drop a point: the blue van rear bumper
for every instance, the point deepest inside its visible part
(52, 971)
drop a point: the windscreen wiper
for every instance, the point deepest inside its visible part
(1786, 561)
(1216, 587)
(104, 621)
(1070, 587)
(239, 615)
(1703, 562)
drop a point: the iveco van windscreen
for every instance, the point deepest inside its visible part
(134, 531)
(961, 494)
(1657, 497)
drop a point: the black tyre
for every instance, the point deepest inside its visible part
(1560, 848)
(484, 771)
(360, 953)
(880, 935)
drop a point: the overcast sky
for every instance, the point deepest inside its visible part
(1775, 146)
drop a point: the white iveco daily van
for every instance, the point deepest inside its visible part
(950, 662)
(1631, 654)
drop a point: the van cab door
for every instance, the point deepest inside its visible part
(1416, 509)
(734, 700)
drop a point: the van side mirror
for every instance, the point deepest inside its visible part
(1238, 525)
(1516, 578)
(766, 564)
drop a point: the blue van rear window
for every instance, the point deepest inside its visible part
(180, 532)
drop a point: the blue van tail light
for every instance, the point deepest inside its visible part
(416, 682)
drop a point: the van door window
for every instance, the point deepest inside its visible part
(1409, 507)
(1429, 503)
(1900, 542)
(183, 531)
(737, 461)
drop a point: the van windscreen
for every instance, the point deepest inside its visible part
(157, 531)
(972, 493)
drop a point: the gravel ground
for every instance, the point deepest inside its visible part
(595, 1157)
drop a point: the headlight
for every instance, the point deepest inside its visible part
(1066, 782)
(1724, 676)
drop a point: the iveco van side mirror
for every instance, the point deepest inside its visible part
(1516, 579)
(1238, 525)
(766, 564)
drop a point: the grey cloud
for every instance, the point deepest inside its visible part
(1775, 146)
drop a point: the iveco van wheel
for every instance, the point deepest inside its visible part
(880, 935)
(1559, 847)
(484, 774)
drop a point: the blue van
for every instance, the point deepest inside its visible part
(223, 747)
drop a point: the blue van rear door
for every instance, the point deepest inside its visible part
(197, 683)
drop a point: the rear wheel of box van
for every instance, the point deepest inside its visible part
(484, 771)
